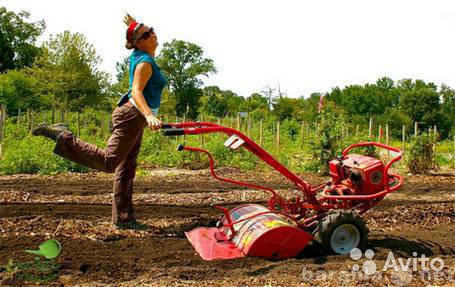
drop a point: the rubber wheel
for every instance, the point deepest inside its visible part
(339, 232)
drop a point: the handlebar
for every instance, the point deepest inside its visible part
(387, 167)
(173, 132)
(346, 150)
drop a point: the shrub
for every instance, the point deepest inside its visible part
(420, 156)
(327, 144)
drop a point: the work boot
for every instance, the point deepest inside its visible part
(50, 131)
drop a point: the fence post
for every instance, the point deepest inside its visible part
(249, 126)
(416, 129)
(85, 122)
(356, 130)
(202, 135)
(387, 139)
(260, 133)
(403, 138)
(302, 133)
(108, 123)
(278, 133)
(32, 120)
(370, 128)
(2, 127)
(238, 122)
(219, 123)
(184, 120)
(78, 124)
(342, 130)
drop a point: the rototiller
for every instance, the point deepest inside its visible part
(328, 215)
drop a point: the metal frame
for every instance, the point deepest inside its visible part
(305, 211)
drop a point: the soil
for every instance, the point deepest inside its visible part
(75, 210)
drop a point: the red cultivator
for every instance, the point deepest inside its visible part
(328, 215)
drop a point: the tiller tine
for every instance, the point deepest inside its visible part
(257, 232)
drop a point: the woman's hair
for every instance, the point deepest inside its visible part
(131, 31)
(129, 45)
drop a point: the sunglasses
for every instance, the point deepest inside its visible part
(147, 34)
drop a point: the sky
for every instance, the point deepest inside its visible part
(300, 47)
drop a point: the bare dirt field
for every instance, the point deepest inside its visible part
(75, 210)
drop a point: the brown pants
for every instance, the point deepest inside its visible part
(119, 156)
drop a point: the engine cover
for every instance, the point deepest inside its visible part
(347, 171)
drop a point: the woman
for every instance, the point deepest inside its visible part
(136, 110)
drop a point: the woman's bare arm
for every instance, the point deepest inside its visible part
(142, 74)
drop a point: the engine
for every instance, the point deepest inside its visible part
(356, 174)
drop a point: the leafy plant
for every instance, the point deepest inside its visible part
(420, 156)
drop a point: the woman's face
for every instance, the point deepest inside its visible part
(147, 39)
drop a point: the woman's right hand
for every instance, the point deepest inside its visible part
(153, 122)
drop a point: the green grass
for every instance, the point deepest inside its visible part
(24, 153)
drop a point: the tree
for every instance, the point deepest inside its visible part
(70, 65)
(256, 102)
(184, 64)
(17, 39)
(18, 90)
(214, 103)
(235, 102)
(269, 94)
(448, 106)
(122, 83)
(284, 108)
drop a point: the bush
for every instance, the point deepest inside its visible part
(420, 156)
(327, 144)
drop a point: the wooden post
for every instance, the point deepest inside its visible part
(379, 133)
(403, 138)
(278, 133)
(356, 130)
(32, 120)
(85, 122)
(184, 120)
(308, 131)
(302, 134)
(78, 124)
(260, 133)
(249, 126)
(202, 135)
(387, 139)
(342, 130)
(370, 128)
(238, 122)
(28, 120)
(416, 129)
(219, 123)
(108, 123)
(19, 115)
(2, 127)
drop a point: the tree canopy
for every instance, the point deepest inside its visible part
(17, 39)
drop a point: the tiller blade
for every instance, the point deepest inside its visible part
(257, 232)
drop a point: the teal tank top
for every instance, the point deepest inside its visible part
(154, 87)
